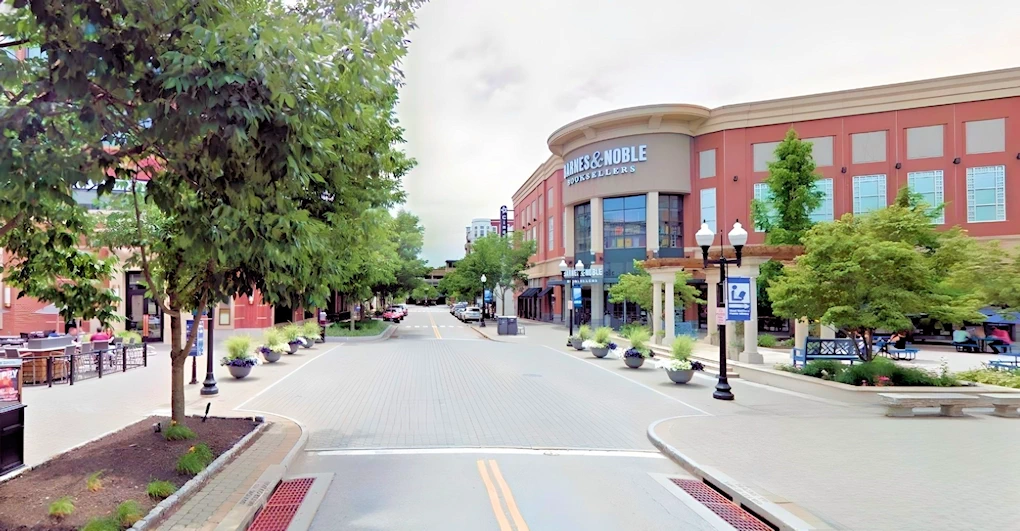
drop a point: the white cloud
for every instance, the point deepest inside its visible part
(487, 82)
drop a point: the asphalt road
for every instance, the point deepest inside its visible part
(439, 429)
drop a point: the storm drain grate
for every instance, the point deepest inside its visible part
(282, 505)
(718, 504)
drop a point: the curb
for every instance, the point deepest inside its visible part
(740, 494)
(363, 339)
(196, 482)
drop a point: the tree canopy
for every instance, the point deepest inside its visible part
(636, 288)
(502, 259)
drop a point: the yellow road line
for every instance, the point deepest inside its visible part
(509, 497)
(497, 509)
(434, 327)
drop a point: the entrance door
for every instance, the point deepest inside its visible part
(138, 307)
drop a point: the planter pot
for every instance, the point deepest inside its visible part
(305, 342)
(599, 352)
(294, 346)
(680, 377)
(634, 363)
(577, 344)
(271, 356)
(239, 372)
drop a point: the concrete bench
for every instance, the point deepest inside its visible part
(1006, 404)
(950, 404)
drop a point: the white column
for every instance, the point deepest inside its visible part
(597, 242)
(597, 308)
(827, 332)
(568, 231)
(800, 333)
(711, 279)
(750, 354)
(732, 353)
(656, 306)
(670, 317)
(652, 222)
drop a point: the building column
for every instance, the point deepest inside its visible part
(800, 333)
(652, 222)
(597, 308)
(656, 306)
(827, 332)
(568, 232)
(712, 296)
(670, 313)
(750, 354)
(597, 240)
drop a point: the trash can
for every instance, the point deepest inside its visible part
(506, 325)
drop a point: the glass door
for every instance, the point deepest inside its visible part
(142, 314)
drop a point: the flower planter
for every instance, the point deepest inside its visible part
(271, 356)
(680, 377)
(294, 346)
(305, 342)
(634, 362)
(239, 371)
(577, 344)
(600, 352)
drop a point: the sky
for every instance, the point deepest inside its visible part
(488, 81)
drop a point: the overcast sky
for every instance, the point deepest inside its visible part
(488, 81)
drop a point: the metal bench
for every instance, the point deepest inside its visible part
(949, 404)
(1005, 404)
(903, 354)
(825, 349)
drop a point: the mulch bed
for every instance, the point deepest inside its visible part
(129, 459)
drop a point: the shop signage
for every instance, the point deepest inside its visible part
(604, 163)
(738, 299)
(503, 225)
(592, 275)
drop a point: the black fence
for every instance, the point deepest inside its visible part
(84, 365)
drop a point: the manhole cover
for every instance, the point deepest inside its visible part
(732, 513)
(282, 505)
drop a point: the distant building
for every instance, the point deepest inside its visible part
(480, 227)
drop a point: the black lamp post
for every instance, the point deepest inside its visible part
(578, 267)
(737, 237)
(209, 385)
(483, 303)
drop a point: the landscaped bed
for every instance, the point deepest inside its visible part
(879, 372)
(1004, 378)
(93, 481)
(366, 328)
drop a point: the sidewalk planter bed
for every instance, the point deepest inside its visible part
(239, 359)
(274, 353)
(129, 460)
(680, 377)
(274, 345)
(369, 327)
(239, 371)
(679, 367)
(634, 359)
(879, 372)
(599, 345)
(310, 333)
(600, 352)
(576, 343)
(584, 334)
(292, 334)
(638, 351)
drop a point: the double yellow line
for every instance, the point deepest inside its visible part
(494, 499)
(434, 327)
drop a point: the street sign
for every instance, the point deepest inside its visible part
(198, 348)
(488, 296)
(503, 225)
(720, 315)
(577, 296)
(738, 299)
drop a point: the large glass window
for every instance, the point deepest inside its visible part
(552, 233)
(986, 194)
(582, 229)
(624, 222)
(708, 208)
(929, 185)
(671, 221)
(869, 193)
(824, 212)
(763, 193)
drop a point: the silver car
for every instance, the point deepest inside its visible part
(471, 313)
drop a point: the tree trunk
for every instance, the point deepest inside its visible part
(177, 358)
(353, 305)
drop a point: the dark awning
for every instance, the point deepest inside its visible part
(529, 293)
(545, 292)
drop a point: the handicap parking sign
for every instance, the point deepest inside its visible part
(738, 299)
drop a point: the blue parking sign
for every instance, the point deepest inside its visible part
(738, 299)
(198, 348)
(577, 296)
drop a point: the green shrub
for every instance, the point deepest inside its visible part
(639, 339)
(1009, 378)
(602, 334)
(129, 336)
(238, 346)
(105, 523)
(194, 460)
(787, 368)
(273, 336)
(62, 507)
(785, 343)
(682, 347)
(629, 328)
(93, 483)
(291, 332)
(767, 341)
(831, 368)
(868, 373)
(584, 333)
(160, 489)
(128, 513)
(310, 330)
(178, 432)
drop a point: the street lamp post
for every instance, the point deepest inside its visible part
(483, 303)
(737, 237)
(209, 385)
(578, 267)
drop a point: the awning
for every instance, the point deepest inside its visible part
(1000, 316)
(529, 293)
(544, 292)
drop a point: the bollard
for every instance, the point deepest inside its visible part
(49, 371)
(70, 362)
(123, 358)
(99, 361)
(145, 354)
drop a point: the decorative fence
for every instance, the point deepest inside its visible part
(84, 365)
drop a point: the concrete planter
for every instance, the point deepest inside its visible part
(600, 352)
(577, 344)
(238, 372)
(305, 342)
(271, 356)
(633, 362)
(294, 346)
(680, 377)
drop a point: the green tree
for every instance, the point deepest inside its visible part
(425, 292)
(502, 259)
(407, 236)
(863, 273)
(636, 288)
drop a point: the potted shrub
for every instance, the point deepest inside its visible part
(292, 334)
(599, 344)
(638, 351)
(311, 333)
(239, 359)
(583, 334)
(274, 344)
(679, 367)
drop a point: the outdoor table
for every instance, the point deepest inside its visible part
(34, 370)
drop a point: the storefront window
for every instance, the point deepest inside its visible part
(671, 222)
(624, 222)
(582, 229)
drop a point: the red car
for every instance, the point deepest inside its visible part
(392, 314)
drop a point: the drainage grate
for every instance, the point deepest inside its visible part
(727, 510)
(282, 505)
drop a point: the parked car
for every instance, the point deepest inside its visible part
(457, 306)
(392, 314)
(397, 308)
(404, 308)
(471, 313)
(459, 314)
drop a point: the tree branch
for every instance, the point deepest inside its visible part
(11, 224)
(146, 269)
(11, 44)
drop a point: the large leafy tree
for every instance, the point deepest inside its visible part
(407, 236)
(502, 259)
(637, 288)
(863, 273)
(271, 129)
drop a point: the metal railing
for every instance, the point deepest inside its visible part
(83, 365)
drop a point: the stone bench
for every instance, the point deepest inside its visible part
(950, 404)
(1006, 404)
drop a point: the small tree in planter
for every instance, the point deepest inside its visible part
(583, 334)
(292, 334)
(599, 344)
(638, 351)
(679, 367)
(239, 359)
